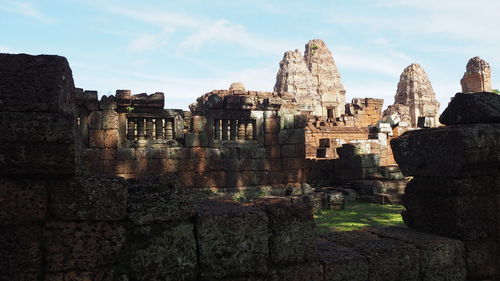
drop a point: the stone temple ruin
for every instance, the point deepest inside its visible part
(122, 189)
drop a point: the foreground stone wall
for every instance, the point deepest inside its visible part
(454, 191)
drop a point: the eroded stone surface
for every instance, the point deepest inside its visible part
(82, 246)
(232, 239)
(415, 91)
(477, 77)
(452, 151)
(22, 201)
(292, 231)
(313, 79)
(20, 252)
(160, 200)
(89, 198)
(163, 252)
(474, 108)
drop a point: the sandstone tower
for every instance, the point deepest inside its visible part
(313, 79)
(414, 97)
(477, 77)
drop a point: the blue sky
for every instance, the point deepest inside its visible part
(187, 48)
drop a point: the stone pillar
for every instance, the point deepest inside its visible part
(149, 128)
(233, 130)
(241, 130)
(159, 128)
(130, 129)
(249, 130)
(454, 191)
(169, 129)
(217, 129)
(225, 129)
(140, 129)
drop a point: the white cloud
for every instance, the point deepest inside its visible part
(165, 18)
(382, 42)
(199, 32)
(6, 49)
(387, 63)
(222, 31)
(145, 42)
(448, 17)
(26, 9)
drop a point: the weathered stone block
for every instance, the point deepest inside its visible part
(452, 151)
(232, 239)
(109, 119)
(251, 152)
(168, 165)
(96, 138)
(302, 272)
(96, 275)
(22, 201)
(210, 179)
(341, 263)
(291, 136)
(192, 140)
(91, 154)
(37, 159)
(82, 246)
(388, 259)
(273, 151)
(441, 258)
(88, 198)
(186, 178)
(36, 127)
(163, 252)
(472, 108)
(36, 83)
(159, 201)
(95, 120)
(292, 231)
(177, 153)
(463, 217)
(20, 252)
(111, 138)
(233, 179)
(271, 139)
(125, 153)
(367, 160)
(481, 257)
(293, 164)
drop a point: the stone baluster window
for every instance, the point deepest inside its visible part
(140, 129)
(233, 129)
(150, 128)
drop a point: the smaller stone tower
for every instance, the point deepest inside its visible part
(477, 77)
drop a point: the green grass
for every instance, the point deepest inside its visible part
(358, 215)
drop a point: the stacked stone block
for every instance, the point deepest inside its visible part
(454, 191)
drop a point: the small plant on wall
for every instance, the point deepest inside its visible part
(129, 108)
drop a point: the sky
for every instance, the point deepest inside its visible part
(187, 48)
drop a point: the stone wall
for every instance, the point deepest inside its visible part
(230, 140)
(454, 191)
